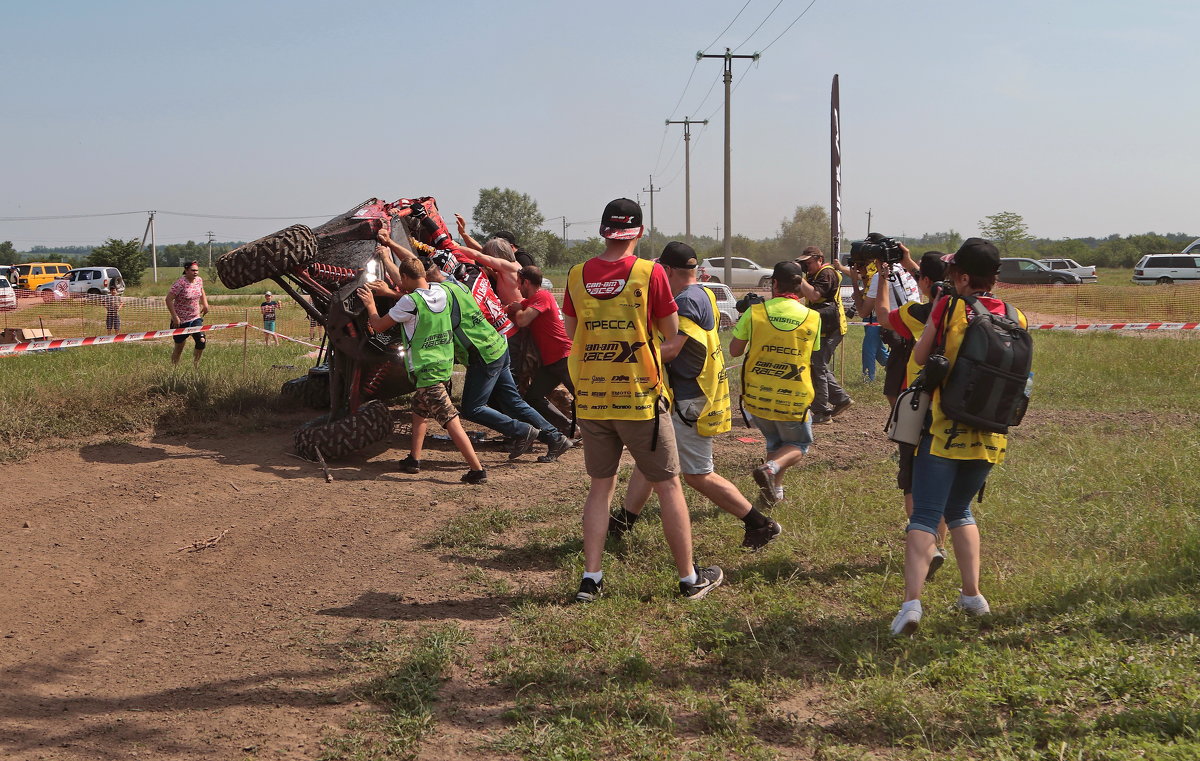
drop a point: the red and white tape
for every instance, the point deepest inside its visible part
(8, 350)
(286, 338)
(1122, 326)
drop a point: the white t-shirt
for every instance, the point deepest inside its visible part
(904, 288)
(405, 311)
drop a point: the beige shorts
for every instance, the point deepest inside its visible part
(603, 441)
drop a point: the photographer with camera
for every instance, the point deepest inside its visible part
(875, 259)
(821, 288)
(954, 457)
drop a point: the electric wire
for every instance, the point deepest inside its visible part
(726, 29)
(789, 26)
(760, 26)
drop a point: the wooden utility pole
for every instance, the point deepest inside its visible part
(210, 237)
(153, 248)
(651, 190)
(687, 172)
(728, 58)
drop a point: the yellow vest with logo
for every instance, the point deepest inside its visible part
(952, 439)
(837, 294)
(614, 361)
(776, 380)
(713, 378)
(916, 327)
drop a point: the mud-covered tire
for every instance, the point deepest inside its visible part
(275, 254)
(311, 391)
(344, 436)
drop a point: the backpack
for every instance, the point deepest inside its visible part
(987, 386)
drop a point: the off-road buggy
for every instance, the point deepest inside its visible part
(357, 371)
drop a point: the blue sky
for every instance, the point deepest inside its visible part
(1081, 116)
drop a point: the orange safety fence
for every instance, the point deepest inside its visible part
(1089, 303)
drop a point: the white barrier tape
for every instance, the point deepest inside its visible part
(9, 350)
(280, 335)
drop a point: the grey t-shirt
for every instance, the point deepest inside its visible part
(693, 304)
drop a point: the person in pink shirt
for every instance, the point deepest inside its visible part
(539, 312)
(188, 303)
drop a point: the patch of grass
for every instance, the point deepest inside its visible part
(406, 691)
(123, 389)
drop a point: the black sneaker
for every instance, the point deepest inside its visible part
(617, 525)
(707, 579)
(556, 449)
(589, 591)
(757, 538)
(409, 464)
(524, 444)
(475, 477)
(840, 408)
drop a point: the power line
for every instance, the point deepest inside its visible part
(51, 217)
(68, 216)
(789, 26)
(726, 29)
(760, 26)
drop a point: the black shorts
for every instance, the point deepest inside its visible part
(199, 337)
(904, 476)
(893, 372)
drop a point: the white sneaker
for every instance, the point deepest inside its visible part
(973, 606)
(907, 620)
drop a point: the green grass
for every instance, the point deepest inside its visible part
(126, 388)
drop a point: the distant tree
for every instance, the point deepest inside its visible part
(581, 252)
(506, 209)
(126, 255)
(1007, 230)
(808, 226)
(948, 242)
(1066, 249)
(8, 254)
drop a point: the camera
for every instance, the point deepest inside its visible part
(875, 248)
(747, 301)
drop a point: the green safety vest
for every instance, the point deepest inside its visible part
(475, 340)
(431, 348)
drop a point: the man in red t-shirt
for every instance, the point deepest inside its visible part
(538, 311)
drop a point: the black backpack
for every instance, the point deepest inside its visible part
(986, 388)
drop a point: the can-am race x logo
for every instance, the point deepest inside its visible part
(605, 288)
(612, 351)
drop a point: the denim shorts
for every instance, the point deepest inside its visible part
(793, 433)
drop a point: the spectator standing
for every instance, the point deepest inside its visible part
(778, 338)
(700, 401)
(425, 314)
(269, 309)
(953, 460)
(112, 309)
(188, 303)
(538, 312)
(821, 287)
(613, 304)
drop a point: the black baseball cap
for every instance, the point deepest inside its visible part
(976, 256)
(506, 235)
(677, 254)
(787, 271)
(622, 220)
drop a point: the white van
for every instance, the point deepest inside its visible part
(1165, 269)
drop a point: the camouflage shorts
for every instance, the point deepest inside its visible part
(433, 402)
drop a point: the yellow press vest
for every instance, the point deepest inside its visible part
(776, 379)
(837, 294)
(614, 361)
(952, 439)
(713, 378)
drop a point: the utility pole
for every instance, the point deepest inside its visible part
(728, 58)
(718, 229)
(210, 237)
(687, 172)
(868, 221)
(149, 231)
(651, 190)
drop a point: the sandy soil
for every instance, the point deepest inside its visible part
(118, 642)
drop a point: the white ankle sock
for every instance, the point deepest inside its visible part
(911, 605)
(773, 467)
(596, 577)
(691, 578)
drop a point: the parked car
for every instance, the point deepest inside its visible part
(746, 274)
(726, 305)
(8, 296)
(1031, 271)
(547, 283)
(37, 273)
(1086, 274)
(94, 280)
(1165, 269)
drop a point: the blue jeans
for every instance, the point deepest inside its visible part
(495, 381)
(944, 487)
(873, 350)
